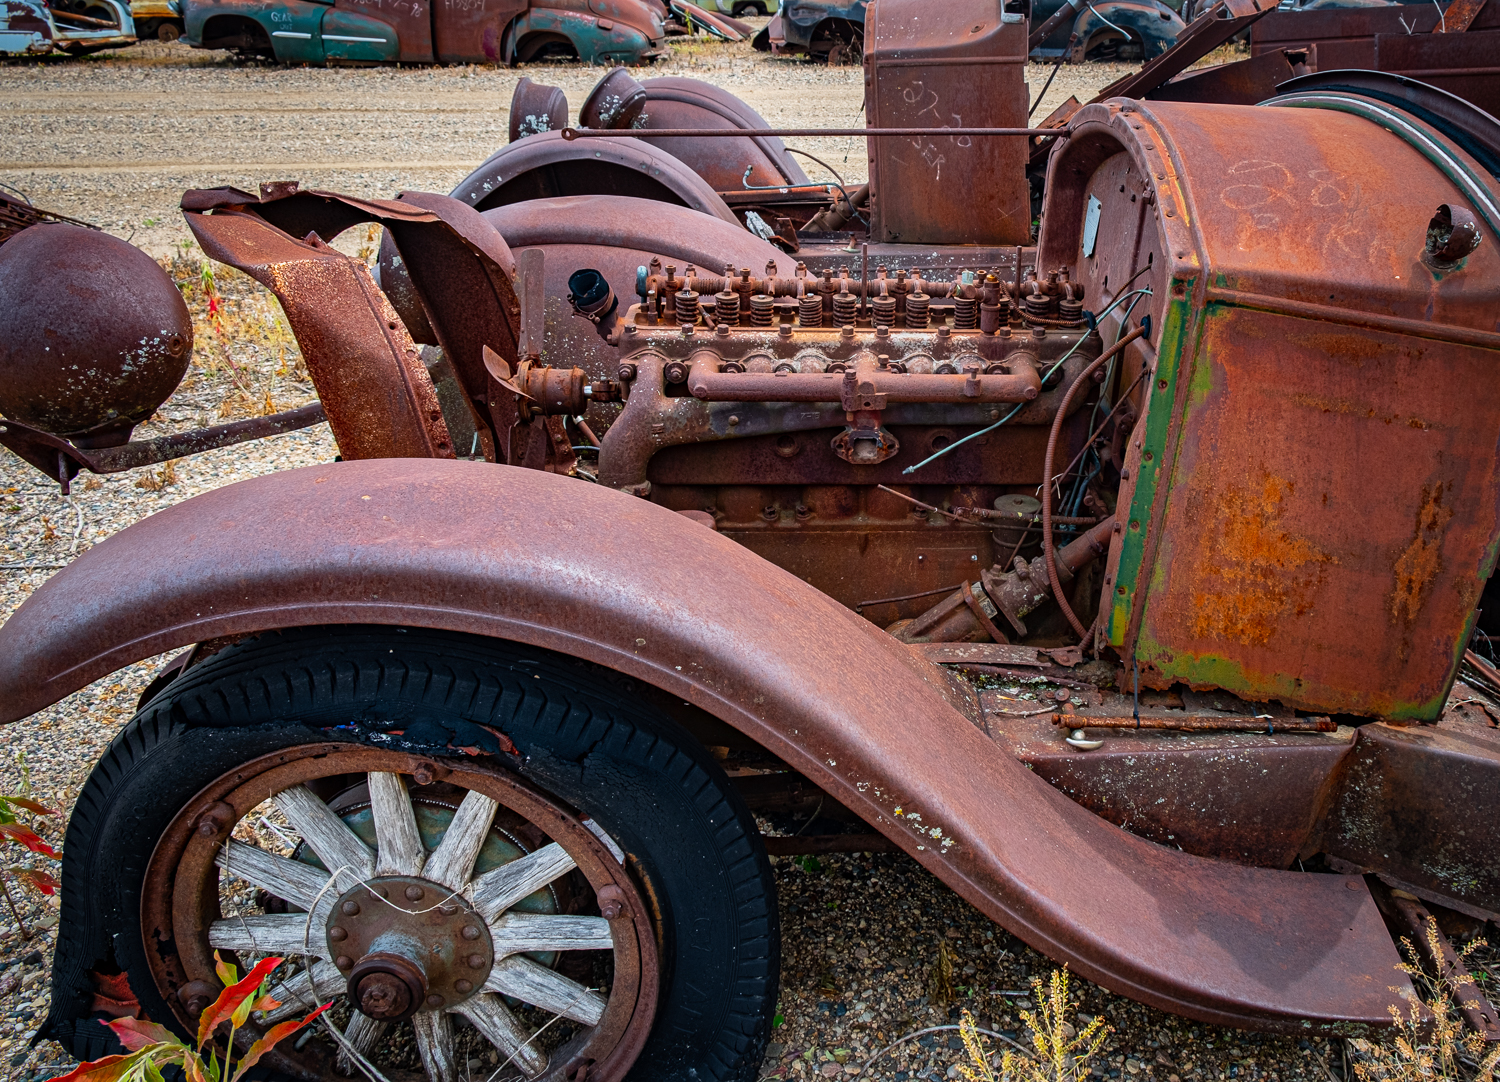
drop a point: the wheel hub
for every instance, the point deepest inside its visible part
(407, 944)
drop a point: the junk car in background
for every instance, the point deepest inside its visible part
(349, 31)
(37, 27)
(646, 524)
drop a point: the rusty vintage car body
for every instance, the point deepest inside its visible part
(1210, 466)
(356, 31)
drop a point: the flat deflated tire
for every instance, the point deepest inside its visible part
(593, 894)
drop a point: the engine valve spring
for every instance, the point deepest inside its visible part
(1039, 304)
(686, 307)
(810, 310)
(762, 310)
(845, 306)
(965, 313)
(917, 305)
(1070, 310)
(728, 307)
(884, 309)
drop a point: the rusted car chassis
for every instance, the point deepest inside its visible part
(1128, 580)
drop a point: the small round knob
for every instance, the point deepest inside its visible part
(343, 961)
(463, 986)
(414, 893)
(337, 935)
(476, 961)
(470, 932)
(350, 908)
(434, 1001)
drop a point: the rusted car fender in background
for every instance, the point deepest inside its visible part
(619, 101)
(546, 164)
(530, 557)
(1153, 25)
(600, 32)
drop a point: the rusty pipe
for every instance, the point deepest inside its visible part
(709, 385)
(1062, 412)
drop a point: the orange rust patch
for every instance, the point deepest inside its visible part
(1254, 574)
(1420, 563)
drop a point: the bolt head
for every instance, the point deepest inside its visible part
(470, 932)
(414, 893)
(343, 961)
(435, 1001)
(350, 908)
(447, 910)
(463, 986)
(476, 961)
(337, 935)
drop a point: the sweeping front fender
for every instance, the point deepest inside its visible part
(587, 571)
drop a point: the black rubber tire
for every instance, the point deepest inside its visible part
(582, 735)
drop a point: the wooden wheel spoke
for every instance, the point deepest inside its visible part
(300, 994)
(496, 891)
(516, 933)
(530, 982)
(326, 834)
(436, 1046)
(271, 933)
(363, 1033)
(399, 848)
(493, 1019)
(290, 880)
(452, 861)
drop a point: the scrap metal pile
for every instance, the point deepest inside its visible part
(641, 412)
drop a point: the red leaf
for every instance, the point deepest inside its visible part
(27, 837)
(29, 805)
(138, 1033)
(37, 878)
(230, 999)
(113, 996)
(274, 1036)
(107, 1069)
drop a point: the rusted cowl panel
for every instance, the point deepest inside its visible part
(615, 235)
(548, 165)
(1306, 344)
(619, 101)
(93, 334)
(946, 66)
(523, 555)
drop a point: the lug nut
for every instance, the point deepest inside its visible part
(414, 893)
(470, 932)
(337, 935)
(463, 986)
(611, 902)
(343, 961)
(350, 908)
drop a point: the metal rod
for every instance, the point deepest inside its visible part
(1200, 724)
(835, 133)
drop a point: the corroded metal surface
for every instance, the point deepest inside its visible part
(93, 334)
(1303, 337)
(499, 551)
(946, 66)
(547, 165)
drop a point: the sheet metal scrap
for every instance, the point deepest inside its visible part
(17, 213)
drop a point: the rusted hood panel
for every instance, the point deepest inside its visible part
(532, 557)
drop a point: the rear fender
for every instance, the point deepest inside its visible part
(1154, 25)
(534, 558)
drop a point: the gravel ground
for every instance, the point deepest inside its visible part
(114, 140)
